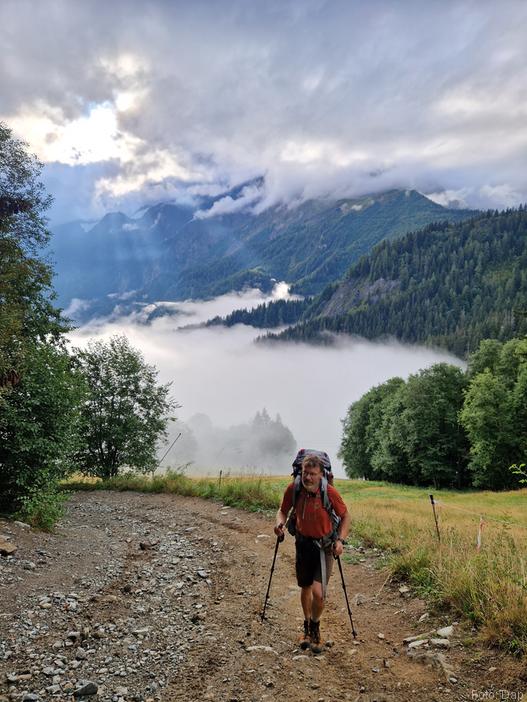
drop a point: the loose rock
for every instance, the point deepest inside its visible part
(87, 689)
(7, 548)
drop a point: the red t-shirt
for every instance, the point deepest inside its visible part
(311, 518)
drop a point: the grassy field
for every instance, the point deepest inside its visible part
(487, 585)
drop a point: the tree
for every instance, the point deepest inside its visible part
(126, 412)
(361, 431)
(487, 416)
(390, 458)
(270, 439)
(486, 356)
(436, 444)
(39, 427)
(27, 314)
(352, 449)
(39, 391)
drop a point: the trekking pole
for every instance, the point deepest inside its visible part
(346, 596)
(279, 539)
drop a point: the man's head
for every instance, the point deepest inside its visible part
(312, 473)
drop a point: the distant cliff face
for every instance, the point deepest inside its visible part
(169, 253)
(351, 293)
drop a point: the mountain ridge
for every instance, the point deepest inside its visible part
(169, 254)
(448, 285)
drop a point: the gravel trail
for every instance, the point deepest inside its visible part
(154, 598)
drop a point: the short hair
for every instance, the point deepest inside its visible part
(313, 461)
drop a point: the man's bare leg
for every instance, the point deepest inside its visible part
(306, 598)
(317, 605)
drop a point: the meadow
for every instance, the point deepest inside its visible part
(476, 569)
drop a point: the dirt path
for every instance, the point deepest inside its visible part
(177, 618)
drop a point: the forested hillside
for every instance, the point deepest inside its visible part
(170, 252)
(447, 285)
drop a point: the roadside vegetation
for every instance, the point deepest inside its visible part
(60, 409)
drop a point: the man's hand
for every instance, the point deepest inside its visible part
(279, 531)
(338, 548)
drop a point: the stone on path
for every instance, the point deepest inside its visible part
(418, 643)
(7, 548)
(88, 688)
(446, 631)
(265, 649)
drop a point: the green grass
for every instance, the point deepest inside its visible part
(251, 493)
(488, 587)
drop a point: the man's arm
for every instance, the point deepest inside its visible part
(344, 526)
(281, 515)
(343, 530)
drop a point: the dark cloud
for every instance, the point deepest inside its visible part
(318, 96)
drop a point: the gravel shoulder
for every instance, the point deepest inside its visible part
(157, 598)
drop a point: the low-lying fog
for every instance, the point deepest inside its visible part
(219, 372)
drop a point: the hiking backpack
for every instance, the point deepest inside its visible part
(327, 478)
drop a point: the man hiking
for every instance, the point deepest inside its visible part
(317, 540)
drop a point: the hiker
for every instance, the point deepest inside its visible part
(317, 539)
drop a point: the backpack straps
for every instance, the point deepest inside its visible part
(296, 489)
(335, 520)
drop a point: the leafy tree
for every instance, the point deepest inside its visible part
(390, 457)
(126, 412)
(352, 450)
(444, 427)
(485, 357)
(362, 431)
(26, 311)
(487, 416)
(38, 427)
(519, 408)
(436, 444)
(38, 389)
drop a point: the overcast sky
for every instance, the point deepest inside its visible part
(131, 101)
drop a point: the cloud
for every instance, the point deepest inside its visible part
(220, 372)
(320, 97)
(227, 205)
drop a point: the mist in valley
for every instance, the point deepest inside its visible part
(248, 407)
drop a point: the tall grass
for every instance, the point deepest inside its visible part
(488, 587)
(251, 493)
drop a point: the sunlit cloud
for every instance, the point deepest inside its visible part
(319, 98)
(89, 139)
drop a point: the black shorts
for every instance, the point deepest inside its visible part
(308, 562)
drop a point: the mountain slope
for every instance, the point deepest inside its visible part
(447, 285)
(171, 252)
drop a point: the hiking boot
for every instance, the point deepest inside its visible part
(305, 639)
(316, 641)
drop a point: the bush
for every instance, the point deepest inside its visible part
(38, 426)
(42, 509)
